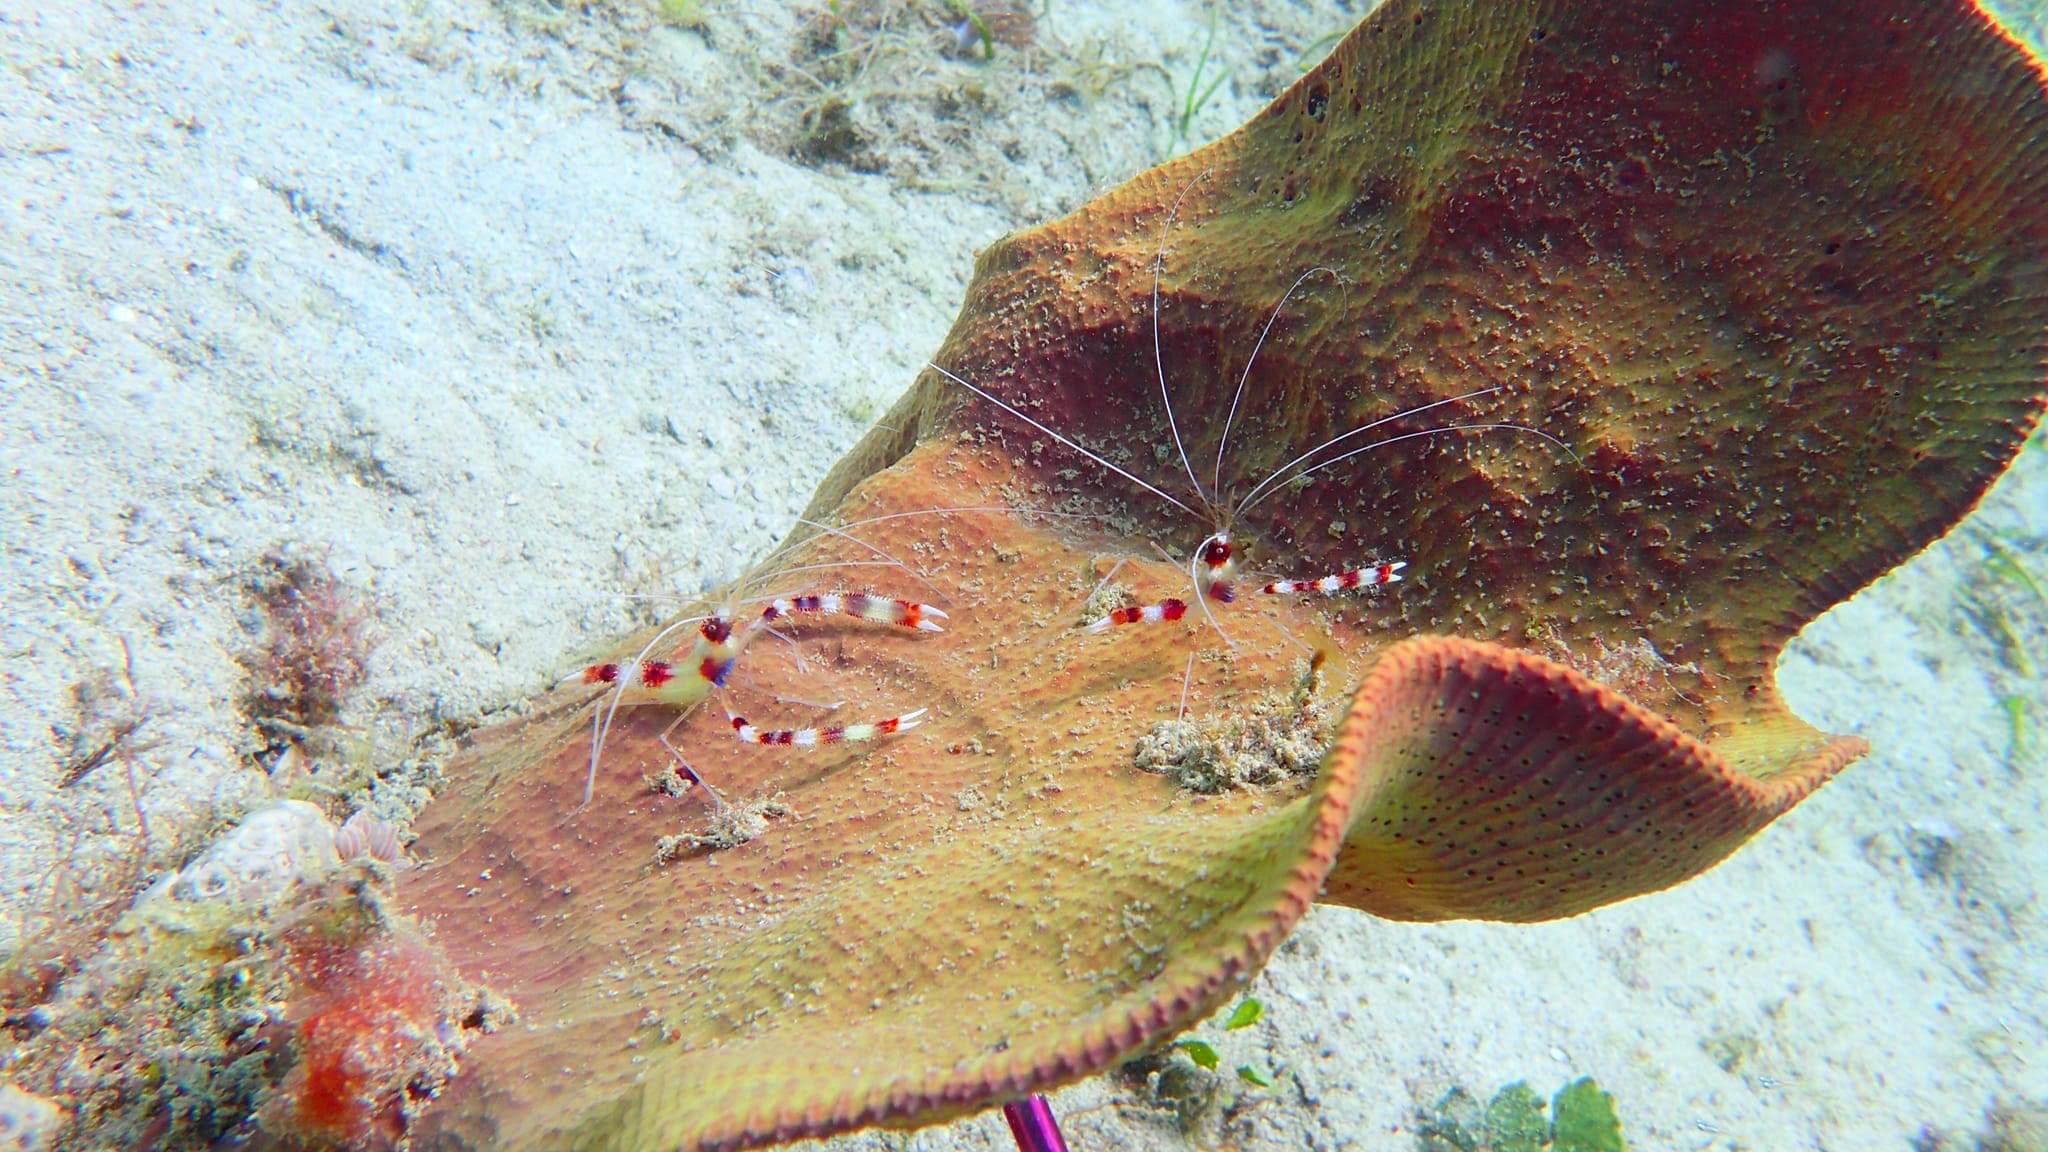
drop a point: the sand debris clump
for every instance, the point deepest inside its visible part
(1280, 739)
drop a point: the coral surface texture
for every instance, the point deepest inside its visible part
(1641, 333)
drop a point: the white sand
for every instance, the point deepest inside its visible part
(509, 310)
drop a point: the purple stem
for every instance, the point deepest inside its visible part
(1033, 1126)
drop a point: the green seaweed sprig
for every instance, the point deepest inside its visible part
(1192, 99)
(1580, 1118)
(965, 10)
(2009, 605)
(1248, 1012)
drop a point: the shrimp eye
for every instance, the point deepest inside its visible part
(716, 629)
(1216, 551)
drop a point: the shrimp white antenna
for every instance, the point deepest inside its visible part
(851, 538)
(1158, 355)
(1014, 509)
(1097, 458)
(886, 559)
(1258, 491)
(829, 566)
(1216, 477)
(1447, 428)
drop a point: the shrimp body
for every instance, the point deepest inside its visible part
(683, 682)
(680, 684)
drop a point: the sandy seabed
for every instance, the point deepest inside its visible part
(510, 312)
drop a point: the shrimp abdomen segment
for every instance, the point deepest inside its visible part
(653, 681)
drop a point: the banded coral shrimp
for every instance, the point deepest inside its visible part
(666, 673)
(693, 659)
(1262, 509)
(1212, 565)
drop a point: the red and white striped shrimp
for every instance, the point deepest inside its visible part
(1213, 567)
(682, 683)
(683, 680)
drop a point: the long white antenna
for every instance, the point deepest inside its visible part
(843, 534)
(1216, 477)
(993, 399)
(1158, 355)
(1567, 449)
(1279, 476)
